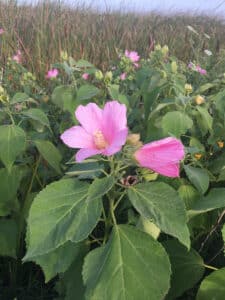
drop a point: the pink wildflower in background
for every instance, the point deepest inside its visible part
(162, 156)
(52, 73)
(191, 65)
(200, 70)
(85, 76)
(132, 55)
(123, 76)
(2, 31)
(102, 131)
(17, 57)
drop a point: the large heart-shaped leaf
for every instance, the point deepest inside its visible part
(160, 203)
(50, 153)
(176, 123)
(9, 184)
(187, 268)
(132, 265)
(12, 143)
(59, 260)
(215, 199)
(66, 213)
(212, 287)
(199, 178)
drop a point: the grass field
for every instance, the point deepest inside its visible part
(44, 30)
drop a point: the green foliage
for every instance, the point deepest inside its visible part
(161, 203)
(12, 143)
(109, 272)
(212, 286)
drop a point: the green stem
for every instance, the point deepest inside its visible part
(210, 267)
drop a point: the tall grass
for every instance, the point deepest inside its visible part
(41, 31)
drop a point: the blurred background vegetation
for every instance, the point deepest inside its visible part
(41, 31)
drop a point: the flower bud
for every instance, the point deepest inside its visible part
(108, 76)
(188, 88)
(64, 55)
(133, 139)
(165, 50)
(198, 156)
(220, 144)
(99, 75)
(199, 100)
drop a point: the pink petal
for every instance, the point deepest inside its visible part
(85, 153)
(162, 156)
(114, 120)
(90, 117)
(77, 137)
(119, 140)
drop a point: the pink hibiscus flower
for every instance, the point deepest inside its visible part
(200, 70)
(123, 76)
(132, 55)
(52, 73)
(85, 76)
(102, 131)
(17, 57)
(162, 156)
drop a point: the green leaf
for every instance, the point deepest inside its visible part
(206, 118)
(84, 64)
(100, 186)
(161, 204)
(9, 184)
(86, 92)
(204, 88)
(131, 265)
(37, 115)
(148, 227)
(176, 123)
(64, 97)
(50, 153)
(19, 97)
(215, 199)
(188, 194)
(8, 237)
(59, 260)
(212, 287)
(187, 268)
(65, 211)
(12, 143)
(72, 279)
(114, 91)
(198, 177)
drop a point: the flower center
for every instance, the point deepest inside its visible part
(99, 140)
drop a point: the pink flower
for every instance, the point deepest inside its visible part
(132, 55)
(102, 131)
(162, 156)
(2, 31)
(17, 57)
(190, 65)
(52, 73)
(200, 70)
(85, 76)
(123, 76)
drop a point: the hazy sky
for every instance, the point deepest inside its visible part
(206, 6)
(210, 6)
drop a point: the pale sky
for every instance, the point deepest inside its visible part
(205, 6)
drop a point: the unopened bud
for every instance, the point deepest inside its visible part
(198, 156)
(133, 139)
(220, 144)
(199, 100)
(99, 75)
(188, 88)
